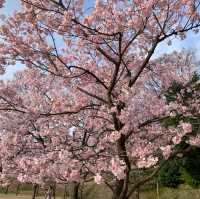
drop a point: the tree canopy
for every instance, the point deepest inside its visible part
(94, 101)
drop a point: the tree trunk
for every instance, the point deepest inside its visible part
(74, 191)
(81, 190)
(118, 189)
(65, 192)
(35, 188)
(17, 191)
(54, 191)
(49, 193)
(6, 189)
(138, 193)
(157, 189)
(37, 191)
(121, 186)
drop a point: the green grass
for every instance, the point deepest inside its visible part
(183, 192)
(99, 192)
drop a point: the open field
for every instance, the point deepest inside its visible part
(12, 196)
(27, 195)
(184, 192)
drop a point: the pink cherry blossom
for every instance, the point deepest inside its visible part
(166, 151)
(187, 127)
(91, 102)
(98, 178)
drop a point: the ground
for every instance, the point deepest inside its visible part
(184, 192)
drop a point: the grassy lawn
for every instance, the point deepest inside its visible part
(94, 192)
(183, 192)
(13, 196)
(21, 196)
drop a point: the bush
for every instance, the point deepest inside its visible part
(170, 175)
(191, 168)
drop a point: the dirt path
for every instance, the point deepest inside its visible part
(13, 196)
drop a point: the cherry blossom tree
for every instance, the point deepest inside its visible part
(92, 100)
(1, 3)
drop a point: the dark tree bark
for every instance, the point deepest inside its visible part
(118, 189)
(74, 191)
(65, 192)
(121, 186)
(17, 190)
(81, 190)
(35, 191)
(54, 191)
(138, 193)
(49, 193)
(6, 189)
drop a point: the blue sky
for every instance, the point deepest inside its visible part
(192, 41)
(9, 8)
